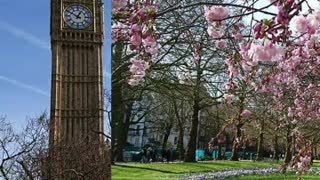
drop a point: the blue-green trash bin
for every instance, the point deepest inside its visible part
(215, 154)
(199, 155)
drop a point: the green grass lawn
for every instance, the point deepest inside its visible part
(159, 171)
(131, 171)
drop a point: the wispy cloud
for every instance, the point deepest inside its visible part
(107, 75)
(20, 33)
(24, 86)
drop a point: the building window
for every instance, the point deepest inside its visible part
(136, 142)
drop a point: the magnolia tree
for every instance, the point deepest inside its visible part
(183, 61)
(272, 49)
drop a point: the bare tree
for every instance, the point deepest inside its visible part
(25, 154)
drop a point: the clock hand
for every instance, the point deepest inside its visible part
(78, 16)
(74, 14)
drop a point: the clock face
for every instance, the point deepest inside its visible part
(78, 16)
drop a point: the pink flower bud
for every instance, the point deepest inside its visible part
(136, 40)
(246, 113)
(220, 44)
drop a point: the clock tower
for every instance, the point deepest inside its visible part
(76, 145)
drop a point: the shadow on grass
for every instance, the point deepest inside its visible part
(145, 168)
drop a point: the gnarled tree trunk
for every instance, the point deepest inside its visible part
(260, 142)
(166, 135)
(288, 155)
(235, 146)
(180, 143)
(192, 144)
(276, 148)
(117, 105)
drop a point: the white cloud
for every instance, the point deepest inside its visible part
(18, 32)
(106, 75)
(24, 86)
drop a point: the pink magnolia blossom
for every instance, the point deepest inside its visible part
(139, 33)
(215, 13)
(238, 36)
(135, 80)
(152, 49)
(311, 42)
(245, 66)
(196, 57)
(136, 40)
(118, 4)
(314, 20)
(230, 85)
(137, 66)
(228, 98)
(120, 32)
(246, 113)
(267, 52)
(233, 71)
(276, 61)
(290, 112)
(149, 41)
(135, 28)
(214, 33)
(316, 15)
(258, 31)
(303, 25)
(138, 71)
(220, 44)
(283, 17)
(259, 53)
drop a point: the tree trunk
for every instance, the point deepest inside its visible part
(166, 136)
(234, 156)
(118, 135)
(192, 144)
(179, 117)
(164, 141)
(191, 152)
(237, 137)
(123, 130)
(180, 144)
(288, 154)
(260, 143)
(276, 148)
(121, 139)
(121, 112)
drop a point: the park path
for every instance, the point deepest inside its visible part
(230, 173)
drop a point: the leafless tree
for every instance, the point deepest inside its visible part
(26, 154)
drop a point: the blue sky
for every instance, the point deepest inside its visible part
(25, 58)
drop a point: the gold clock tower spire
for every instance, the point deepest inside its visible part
(77, 150)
